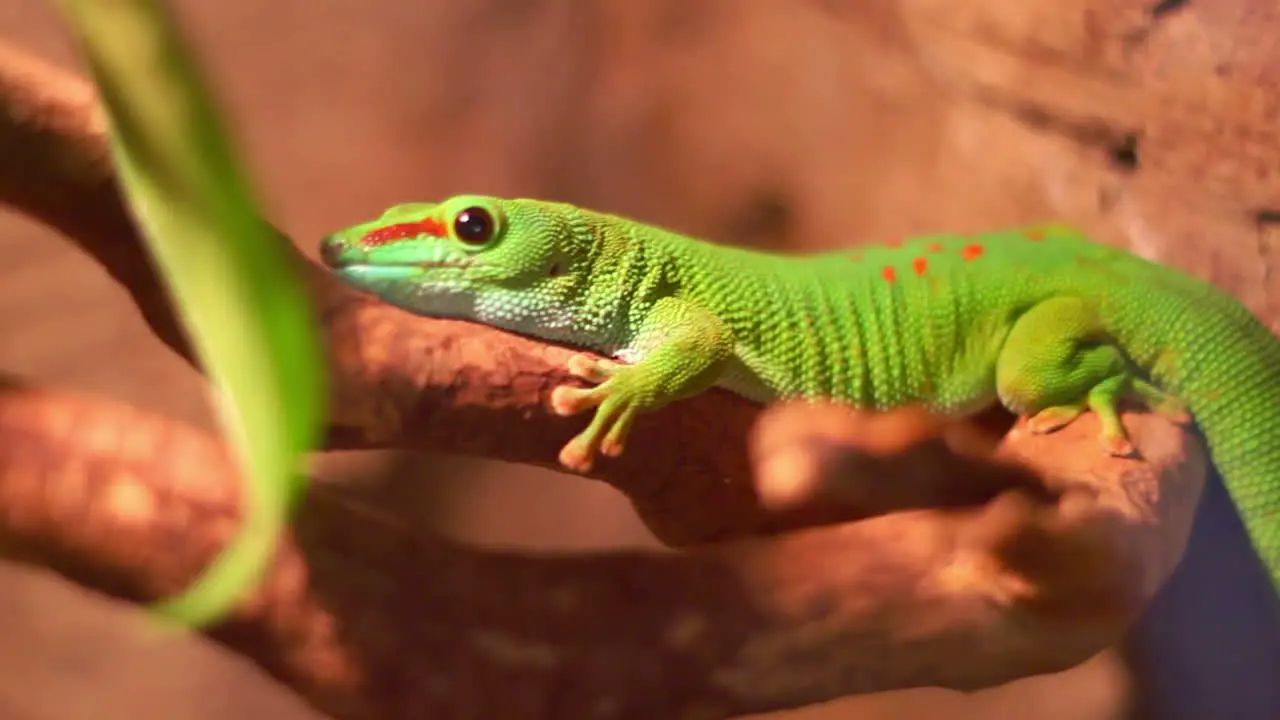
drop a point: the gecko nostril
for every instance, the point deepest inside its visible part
(331, 250)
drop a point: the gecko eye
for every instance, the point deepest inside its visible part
(474, 226)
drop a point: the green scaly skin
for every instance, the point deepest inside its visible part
(1040, 319)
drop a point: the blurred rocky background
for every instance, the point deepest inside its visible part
(788, 124)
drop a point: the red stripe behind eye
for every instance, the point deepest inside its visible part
(399, 231)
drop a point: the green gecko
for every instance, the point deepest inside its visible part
(1040, 319)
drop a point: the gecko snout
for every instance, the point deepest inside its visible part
(337, 251)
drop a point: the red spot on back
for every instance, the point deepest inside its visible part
(921, 265)
(935, 247)
(889, 273)
(972, 252)
(896, 242)
(399, 231)
(1035, 235)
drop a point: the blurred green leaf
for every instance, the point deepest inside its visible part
(232, 277)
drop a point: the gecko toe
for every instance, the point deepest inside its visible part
(577, 455)
(1053, 418)
(615, 440)
(567, 400)
(1118, 446)
(591, 369)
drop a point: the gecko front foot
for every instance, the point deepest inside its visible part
(682, 348)
(617, 399)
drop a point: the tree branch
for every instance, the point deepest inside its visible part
(1018, 570)
(368, 621)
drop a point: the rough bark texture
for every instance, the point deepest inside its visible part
(1150, 125)
(366, 621)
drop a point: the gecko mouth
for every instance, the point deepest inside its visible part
(339, 253)
(344, 257)
(422, 265)
(356, 271)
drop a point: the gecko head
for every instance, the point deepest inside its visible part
(507, 262)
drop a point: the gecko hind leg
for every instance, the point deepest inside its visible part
(1169, 407)
(1058, 360)
(1104, 400)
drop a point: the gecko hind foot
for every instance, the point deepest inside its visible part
(1103, 401)
(1114, 441)
(1118, 445)
(1053, 418)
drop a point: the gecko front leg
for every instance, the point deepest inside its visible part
(683, 348)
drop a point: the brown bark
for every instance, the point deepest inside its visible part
(368, 621)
